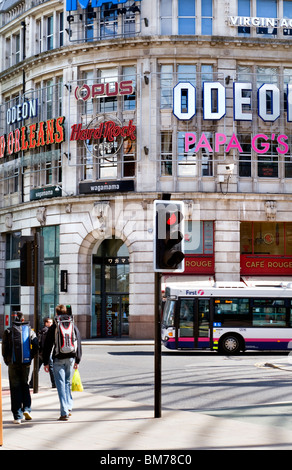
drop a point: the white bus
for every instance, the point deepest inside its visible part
(228, 319)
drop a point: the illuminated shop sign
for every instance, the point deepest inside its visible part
(20, 112)
(257, 265)
(268, 101)
(32, 136)
(258, 22)
(104, 139)
(72, 5)
(199, 264)
(100, 90)
(108, 130)
(106, 187)
(260, 143)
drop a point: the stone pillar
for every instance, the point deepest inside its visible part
(227, 250)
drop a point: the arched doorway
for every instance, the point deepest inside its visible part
(110, 290)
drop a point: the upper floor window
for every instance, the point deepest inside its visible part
(50, 33)
(107, 21)
(186, 17)
(267, 9)
(267, 18)
(244, 10)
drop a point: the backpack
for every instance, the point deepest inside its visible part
(65, 337)
(21, 343)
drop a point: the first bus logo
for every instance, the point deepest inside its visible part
(195, 292)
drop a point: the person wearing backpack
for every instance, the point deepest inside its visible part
(41, 339)
(19, 346)
(63, 342)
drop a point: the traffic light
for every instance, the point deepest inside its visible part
(26, 246)
(168, 236)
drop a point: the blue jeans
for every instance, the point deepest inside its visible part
(63, 371)
(19, 389)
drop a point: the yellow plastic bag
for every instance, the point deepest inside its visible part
(76, 382)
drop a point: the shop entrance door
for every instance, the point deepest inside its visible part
(116, 315)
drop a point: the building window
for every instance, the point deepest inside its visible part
(129, 73)
(268, 163)
(181, 17)
(17, 48)
(207, 17)
(166, 85)
(166, 17)
(244, 10)
(186, 17)
(245, 157)
(266, 238)
(107, 21)
(50, 33)
(50, 289)
(61, 29)
(287, 13)
(199, 237)
(12, 273)
(166, 153)
(187, 161)
(266, 9)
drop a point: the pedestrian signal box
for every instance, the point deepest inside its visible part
(168, 236)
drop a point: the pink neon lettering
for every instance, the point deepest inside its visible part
(234, 144)
(265, 147)
(280, 139)
(218, 141)
(190, 139)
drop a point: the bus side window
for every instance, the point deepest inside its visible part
(186, 317)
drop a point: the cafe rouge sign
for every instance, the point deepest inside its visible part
(261, 265)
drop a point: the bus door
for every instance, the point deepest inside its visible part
(194, 323)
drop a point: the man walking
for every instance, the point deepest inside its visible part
(63, 338)
(19, 345)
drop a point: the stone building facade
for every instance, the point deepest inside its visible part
(106, 106)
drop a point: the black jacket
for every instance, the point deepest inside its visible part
(50, 345)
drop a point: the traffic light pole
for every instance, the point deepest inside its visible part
(36, 309)
(157, 355)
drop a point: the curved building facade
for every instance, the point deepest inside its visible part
(106, 106)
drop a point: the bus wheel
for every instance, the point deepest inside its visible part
(230, 344)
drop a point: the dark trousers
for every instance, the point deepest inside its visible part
(19, 389)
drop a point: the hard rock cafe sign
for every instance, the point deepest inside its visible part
(104, 138)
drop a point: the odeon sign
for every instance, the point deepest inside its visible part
(186, 92)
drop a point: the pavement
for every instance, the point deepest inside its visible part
(115, 425)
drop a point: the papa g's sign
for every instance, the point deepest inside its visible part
(71, 5)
